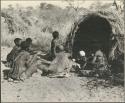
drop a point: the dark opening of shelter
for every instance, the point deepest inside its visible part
(93, 32)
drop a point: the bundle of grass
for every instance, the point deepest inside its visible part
(103, 29)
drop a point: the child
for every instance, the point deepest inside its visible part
(26, 45)
(14, 52)
(54, 44)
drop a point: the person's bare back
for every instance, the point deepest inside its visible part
(61, 64)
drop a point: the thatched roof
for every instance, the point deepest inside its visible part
(113, 17)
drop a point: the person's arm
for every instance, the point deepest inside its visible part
(10, 55)
(53, 48)
(32, 50)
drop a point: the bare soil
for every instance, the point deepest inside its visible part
(43, 89)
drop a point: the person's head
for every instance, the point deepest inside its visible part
(17, 41)
(26, 44)
(28, 40)
(82, 53)
(55, 34)
(99, 55)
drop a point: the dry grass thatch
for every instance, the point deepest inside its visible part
(114, 19)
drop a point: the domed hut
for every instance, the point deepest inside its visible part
(97, 29)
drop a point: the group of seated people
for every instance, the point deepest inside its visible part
(20, 45)
(96, 64)
(18, 57)
(22, 58)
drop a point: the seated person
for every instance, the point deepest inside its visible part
(81, 59)
(19, 66)
(61, 65)
(98, 58)
(89, 64)
(54, 44)
(19, 63)
(14, 52)
(26, 45)
(100, 64)
(97, 65)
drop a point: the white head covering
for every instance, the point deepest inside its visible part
(82, 53)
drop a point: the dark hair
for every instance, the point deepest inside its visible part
(55, 34)
(16, 40)
(25, 45)
(28, 40)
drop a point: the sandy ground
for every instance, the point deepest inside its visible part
(44, 89)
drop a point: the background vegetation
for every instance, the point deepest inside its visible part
(39, 23)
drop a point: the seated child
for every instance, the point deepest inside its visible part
(26, 45)
(14, 52)
(54, 44)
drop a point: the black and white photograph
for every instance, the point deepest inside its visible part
(62, 50)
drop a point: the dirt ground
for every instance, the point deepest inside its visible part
(44, 89)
